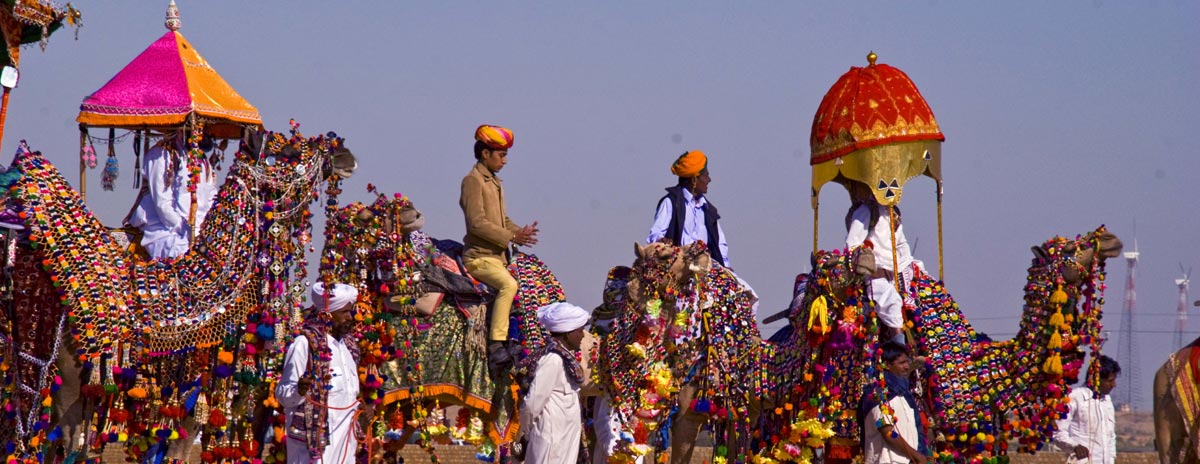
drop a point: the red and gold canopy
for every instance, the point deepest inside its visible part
(874, 127)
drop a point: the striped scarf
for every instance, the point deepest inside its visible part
(527, 367)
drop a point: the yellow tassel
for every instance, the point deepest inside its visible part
(818, 316)
(1059, 296)
(1053, 365)
(1056, 320)
(1055, 341)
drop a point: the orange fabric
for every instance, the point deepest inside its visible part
(211, 95)
(690, 164)
(867, 107)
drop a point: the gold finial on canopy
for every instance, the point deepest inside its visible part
(871, 57)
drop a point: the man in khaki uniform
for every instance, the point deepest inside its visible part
(489, 233)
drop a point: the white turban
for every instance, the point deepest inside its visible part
(340, 296)
(562, 317)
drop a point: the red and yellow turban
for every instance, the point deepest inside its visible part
(495, 137)
(690, 164)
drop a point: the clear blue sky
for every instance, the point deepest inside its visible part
(1059, 116)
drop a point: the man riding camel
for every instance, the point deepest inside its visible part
(164, 202)
(489, 234)
(685, 215)
(870, 221)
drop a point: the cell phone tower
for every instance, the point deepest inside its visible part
(1181, 322)
(1127, 344)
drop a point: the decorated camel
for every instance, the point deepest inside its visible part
(1177, 406)
(977, 394)
(685, 351)
(145, 346)
(424, 331)
(824, 359)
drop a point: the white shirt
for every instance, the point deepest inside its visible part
(880, 236)
(552, 414)
(343, 400)
(1090, 422)
(162, 214)
(877, 451)
(693, 224)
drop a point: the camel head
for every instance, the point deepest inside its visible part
(1067, 279)
(411, 219)
(322, 156)
(839, 271)
(665, 266)
(1079, 258)
(838, 275)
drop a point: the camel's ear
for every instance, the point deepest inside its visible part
(1041, 253)
(639, 250)
(812, 260)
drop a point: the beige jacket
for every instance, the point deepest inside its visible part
(489, 230)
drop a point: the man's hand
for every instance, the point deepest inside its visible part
(1080, 452)
(527, 236)
(366, 416)
(919, 458)
(303, 385)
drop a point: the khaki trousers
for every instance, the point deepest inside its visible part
(494, 272)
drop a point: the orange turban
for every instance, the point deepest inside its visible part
(690, 164)
(495, 137)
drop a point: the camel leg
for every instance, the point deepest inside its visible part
(68, 403)
(686, 427)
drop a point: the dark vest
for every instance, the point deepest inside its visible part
(675, 229)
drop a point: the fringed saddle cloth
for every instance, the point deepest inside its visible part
(1185, 391)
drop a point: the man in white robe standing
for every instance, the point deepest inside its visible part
(550, 412)
(306, 395)
(164, 203)
(1088, 431)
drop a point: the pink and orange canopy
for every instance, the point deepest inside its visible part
(164, 86)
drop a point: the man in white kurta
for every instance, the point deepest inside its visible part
(1088, 431)
(889, 302)
(295, 384)
(165, 203)
(550, 412)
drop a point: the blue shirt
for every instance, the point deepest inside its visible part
(693, 223)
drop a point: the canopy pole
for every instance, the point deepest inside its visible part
(941, 270)
(816, 218)
(4, 113)
(83, 139)
(895, 259)
(193, 181)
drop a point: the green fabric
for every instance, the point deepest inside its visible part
(445, 355)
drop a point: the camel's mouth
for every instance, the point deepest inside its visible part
(1111, 250)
